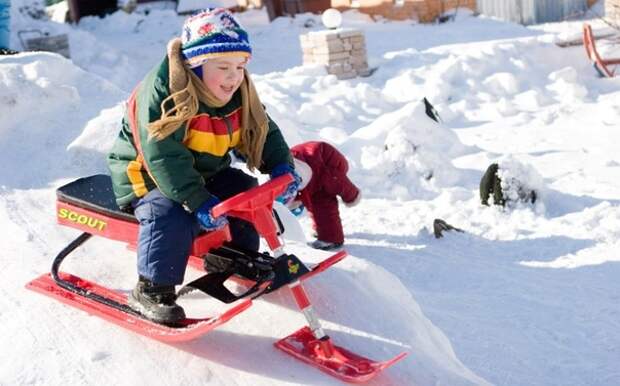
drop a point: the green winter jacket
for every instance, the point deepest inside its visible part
(180, 164)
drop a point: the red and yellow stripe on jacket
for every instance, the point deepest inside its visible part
(205, 134)
(214, 135)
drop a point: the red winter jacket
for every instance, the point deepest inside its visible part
(329, 172)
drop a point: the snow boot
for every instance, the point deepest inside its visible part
(325, 245)
(156, 302)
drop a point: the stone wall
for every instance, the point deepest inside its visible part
(342, 51)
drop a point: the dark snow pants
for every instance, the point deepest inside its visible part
(167, 230)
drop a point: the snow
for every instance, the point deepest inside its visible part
(528, 295)
(519, 181)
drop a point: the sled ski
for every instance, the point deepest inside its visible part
(88, 204)
(123, 315)
(312, 345)
(334, 360)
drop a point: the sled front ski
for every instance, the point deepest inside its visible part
(312, 345)
(334, 360)
(125, 316)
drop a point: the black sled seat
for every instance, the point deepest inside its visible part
(89, 204)
(93, 193)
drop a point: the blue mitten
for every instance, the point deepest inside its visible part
(291, 190)
(206, 219)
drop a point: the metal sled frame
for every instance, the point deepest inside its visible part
(88, 205)
(602, 66)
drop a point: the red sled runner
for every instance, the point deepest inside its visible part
(88, 204)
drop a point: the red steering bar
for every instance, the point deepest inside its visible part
(256, 206)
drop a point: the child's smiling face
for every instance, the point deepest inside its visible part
(224, 75)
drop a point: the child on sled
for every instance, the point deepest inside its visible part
(170, 163)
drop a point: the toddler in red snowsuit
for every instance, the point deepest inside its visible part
(323, 170)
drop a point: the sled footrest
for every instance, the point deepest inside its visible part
(213, 285)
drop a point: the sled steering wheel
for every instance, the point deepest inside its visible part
(256, 206)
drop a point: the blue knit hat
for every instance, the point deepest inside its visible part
(211, 33)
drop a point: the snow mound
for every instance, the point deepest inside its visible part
(409, 148)
(46, 101)
(518, 180)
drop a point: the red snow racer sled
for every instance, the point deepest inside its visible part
(604, 67)
(88, 204)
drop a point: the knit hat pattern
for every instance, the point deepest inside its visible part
(212, 33)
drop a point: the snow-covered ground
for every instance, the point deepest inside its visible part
(528, 295)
